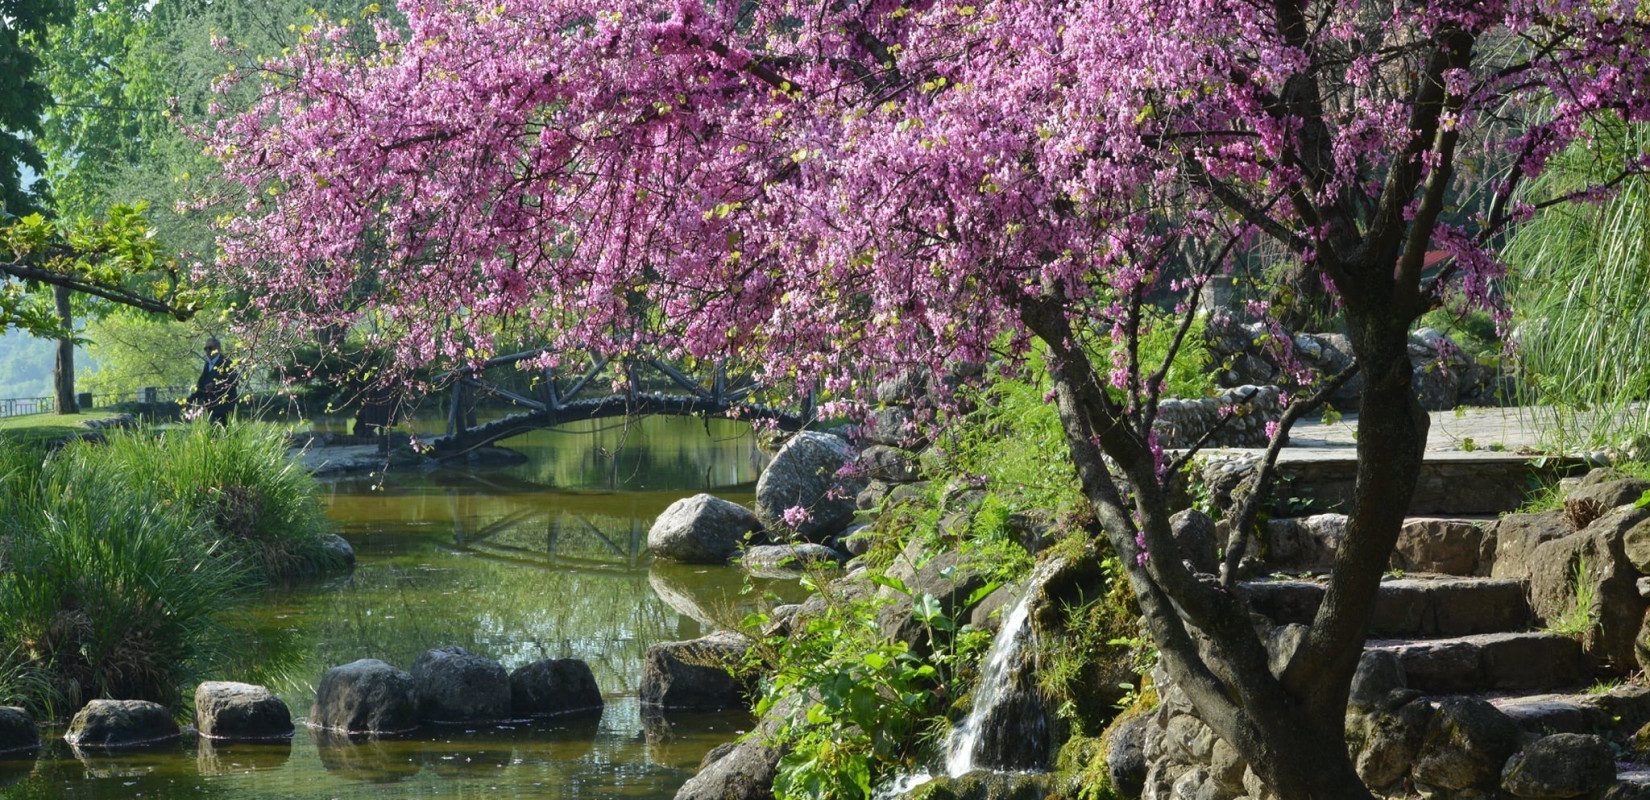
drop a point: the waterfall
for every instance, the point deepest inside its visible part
(1006, 721)
(995, 687)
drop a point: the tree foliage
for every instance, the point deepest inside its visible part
(1582, 273)
(22, 99)
(840, 191)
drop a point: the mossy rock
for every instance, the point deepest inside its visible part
(986, 785)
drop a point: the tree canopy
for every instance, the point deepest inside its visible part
(837, 191)
(22, 99)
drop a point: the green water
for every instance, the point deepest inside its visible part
(543, 560)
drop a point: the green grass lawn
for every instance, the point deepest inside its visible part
(48, 427)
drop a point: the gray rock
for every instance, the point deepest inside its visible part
(336, 549)
(1561, 765)
(987, 785)
(454, 685)
(1384, 741)
(1438, 545)
(121, 723)
(789, 560)
(1518, 535)
(1379, 673)
(702, 529)
(225, 710)
(17, 730)
(1616, 609)
(696, 674)
(894, 426)
(1635, 544)
(1608, 494)
(554, 686)
(856, 541)
(1306, 543)
(366, 696)
(1466, 745)
(1194, 532)
(804, 473)
(744, 771)
(1126, 755)
(886, 463)
(872, 496)
(904, 387)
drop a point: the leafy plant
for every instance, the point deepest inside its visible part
(1578, 621)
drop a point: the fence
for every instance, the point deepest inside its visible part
(145, 398)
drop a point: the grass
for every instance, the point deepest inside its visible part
(47, 428)
(120, 562)
(1578, 622)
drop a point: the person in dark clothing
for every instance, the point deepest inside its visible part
(218, 388)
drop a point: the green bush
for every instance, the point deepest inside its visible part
(249, 497)
(120, 560)
(109, 590)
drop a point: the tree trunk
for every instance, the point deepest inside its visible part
(63, 376)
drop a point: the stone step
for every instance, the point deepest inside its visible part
(1487, 662)
(1408, 608)
(1458, 545)
(1618, 712)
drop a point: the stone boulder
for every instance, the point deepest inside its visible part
(121, 723)
(893, 426)
(1608, 494)
(554, 686)
(17, 730)
(454, 685)
(789, 560)
(366, 696)
(702, 529)
(744, 771)
(1466, 744)
(1199, 541)
(882, 462)
(225, 710)
(804, 474)
(336, 551)
(1591, 565)
(1126, 755)
(1306, 543)
(1385, 738)
(696, 675)
(1561, 765)
(1635, 543)
(1447, 546)
(1518, 535)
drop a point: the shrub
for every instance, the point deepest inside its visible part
(236, 480)
(112, 592)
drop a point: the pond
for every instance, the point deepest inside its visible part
(546, 559)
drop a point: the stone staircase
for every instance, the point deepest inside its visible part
(1460, 642)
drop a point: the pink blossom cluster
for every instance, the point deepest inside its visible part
(829, 193)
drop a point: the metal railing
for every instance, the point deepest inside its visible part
(86, 401)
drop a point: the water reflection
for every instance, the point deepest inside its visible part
(544, 560)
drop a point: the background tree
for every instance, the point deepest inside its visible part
(1581, 276)
(837, 191)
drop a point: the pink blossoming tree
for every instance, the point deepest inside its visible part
(835, 191)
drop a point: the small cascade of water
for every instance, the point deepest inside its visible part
(1001, 693)
(995, 687)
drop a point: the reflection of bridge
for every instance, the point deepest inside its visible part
(650, 386)
(558, 538)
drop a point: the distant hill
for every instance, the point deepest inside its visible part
(26, 365)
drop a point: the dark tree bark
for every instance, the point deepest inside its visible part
(63, 375)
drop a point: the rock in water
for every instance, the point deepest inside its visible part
(695, 674)
(804, 473)
(121, 723)
(1561, 765)
(337, 551)
(17, 730)
(366, 696)
(454, 685)
(702, 529)
(554, 686)
(742, 772)
(788, 560)
(225, 710)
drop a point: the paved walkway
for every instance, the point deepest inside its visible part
(1464, 430)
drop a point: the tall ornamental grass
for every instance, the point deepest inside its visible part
(121, 562)
(237, 482)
